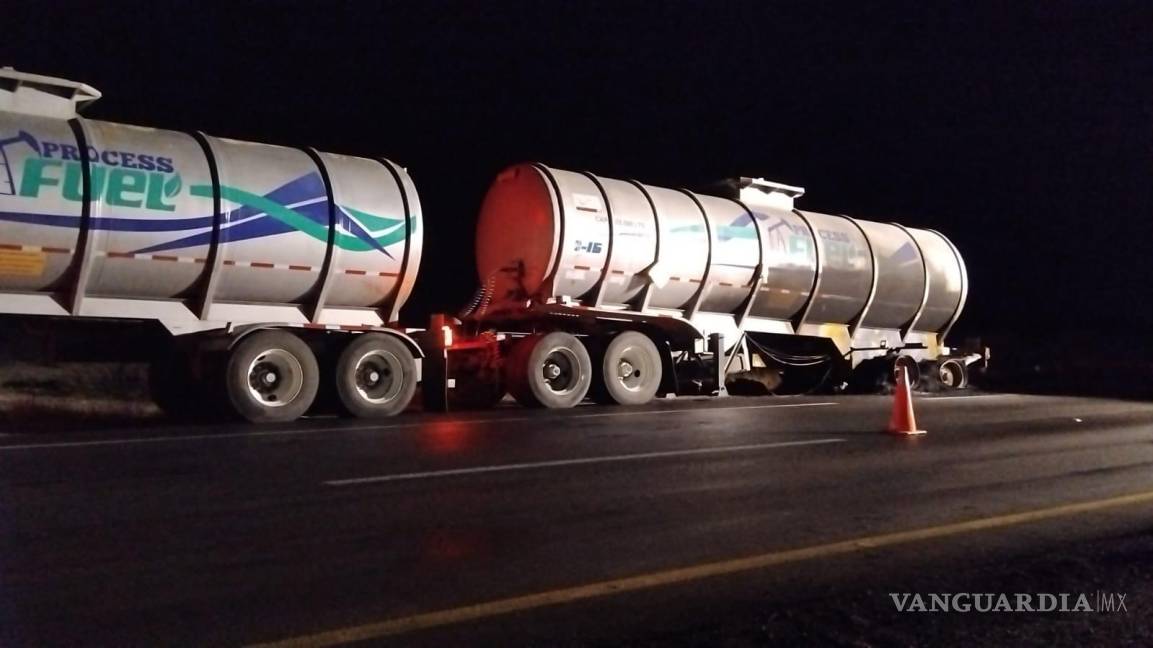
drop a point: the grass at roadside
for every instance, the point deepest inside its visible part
(33, 394)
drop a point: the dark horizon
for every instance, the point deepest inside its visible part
(1024, 134)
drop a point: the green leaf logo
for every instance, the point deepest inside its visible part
(172, 185)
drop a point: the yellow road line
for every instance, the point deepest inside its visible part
(486, 609)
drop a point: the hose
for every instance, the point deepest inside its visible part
(481, 299)
(789, 359)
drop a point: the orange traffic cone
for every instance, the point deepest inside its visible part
(902, 421)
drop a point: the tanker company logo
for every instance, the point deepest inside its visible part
(119, 178)
(781, 234)
(133, 180)
(796, 240)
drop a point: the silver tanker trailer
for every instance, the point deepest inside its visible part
(257, 259)
(623, 291)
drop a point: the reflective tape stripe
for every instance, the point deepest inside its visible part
(34, 248)
(351, 271)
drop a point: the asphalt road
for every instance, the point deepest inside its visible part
(514, 527)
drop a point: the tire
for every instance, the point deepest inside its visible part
(375, 376)
(271, 376)
(912, 370)
(558, 353)
(630, 353)
(952, 374)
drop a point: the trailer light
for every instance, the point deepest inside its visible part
(447, 332)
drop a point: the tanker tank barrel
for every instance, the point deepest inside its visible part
(190, 229)
(752, 264)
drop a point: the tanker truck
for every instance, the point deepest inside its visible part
(621, 291)
(275, 274)
(272, 270)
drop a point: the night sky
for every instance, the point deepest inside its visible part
(1025, 134)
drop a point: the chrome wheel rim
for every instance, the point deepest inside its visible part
(950, 374)
(379, 376)
(633, 368)
(275, 378)
(561, 371)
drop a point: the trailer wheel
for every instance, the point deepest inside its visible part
(552, 371)
(629, 371)
(375, 376)
(952, 374)
(272, 376)
(912, 370)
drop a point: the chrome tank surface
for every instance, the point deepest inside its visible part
(753, 264)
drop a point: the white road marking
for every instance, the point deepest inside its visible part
(575, 462)
(361, 428)
(929, 399)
